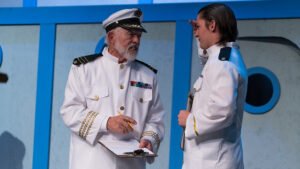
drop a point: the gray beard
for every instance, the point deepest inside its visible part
(125, 52)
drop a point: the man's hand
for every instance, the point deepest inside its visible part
(120, 124)
(146, 144)
(182, 116)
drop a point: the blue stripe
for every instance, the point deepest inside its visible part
(156, 12)
(145, 2)
(43, 110)
(100, 45)
(0, 56)
(29, 3)
(181, 87)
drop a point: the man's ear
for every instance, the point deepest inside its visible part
(212, 26)
(110, 36)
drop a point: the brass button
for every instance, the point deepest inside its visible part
(121, 87)
(121, 66)
(141, 100)
(122, 108)
(96, 98)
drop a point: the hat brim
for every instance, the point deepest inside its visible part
(133, 27)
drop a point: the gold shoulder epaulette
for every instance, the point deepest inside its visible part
(85, 59)
(148, 66)
(225, 54)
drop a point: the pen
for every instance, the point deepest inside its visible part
(130, 124)
(138, 152)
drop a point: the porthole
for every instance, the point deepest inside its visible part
(263, 91)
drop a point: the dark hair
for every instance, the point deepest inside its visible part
(224, 18)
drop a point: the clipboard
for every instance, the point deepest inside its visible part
(126, 148)
(188, 108)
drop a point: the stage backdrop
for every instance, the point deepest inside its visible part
(39, 44)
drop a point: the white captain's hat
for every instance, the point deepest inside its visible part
(129, 19)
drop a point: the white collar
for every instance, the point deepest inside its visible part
(111, 57)
(214, 50)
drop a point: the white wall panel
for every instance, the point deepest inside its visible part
(17, 97)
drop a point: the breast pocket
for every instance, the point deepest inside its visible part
(198, 84)
(95, 95)
(199, 94)
(141, 95)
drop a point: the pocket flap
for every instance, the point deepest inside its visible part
(95, 93)
(198, 84)
(142, 95)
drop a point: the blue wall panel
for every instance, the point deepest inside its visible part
(0, 56)
(44, 97)
(145, 1)
(48, 17)
(29, 3)
(161, 12)
(181, 87)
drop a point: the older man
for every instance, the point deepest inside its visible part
(113, 96)
(213, 126)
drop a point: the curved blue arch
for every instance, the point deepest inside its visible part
(100, 45)
(1, 56)
(276, 91)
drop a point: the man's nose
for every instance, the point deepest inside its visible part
(196, 34)
(136, 39)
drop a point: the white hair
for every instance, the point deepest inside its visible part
(115, 31)
(124, 51)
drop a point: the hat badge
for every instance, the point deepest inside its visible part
(138, 13)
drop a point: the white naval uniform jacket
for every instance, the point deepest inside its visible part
(102, 88)
(213, 129)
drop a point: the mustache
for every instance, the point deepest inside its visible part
(134, 47)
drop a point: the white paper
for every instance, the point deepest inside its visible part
(120, 147)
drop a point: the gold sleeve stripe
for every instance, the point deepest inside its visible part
(90, 125)
(82, 127)
(152, 134)
(86, 124)
(195, 127)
